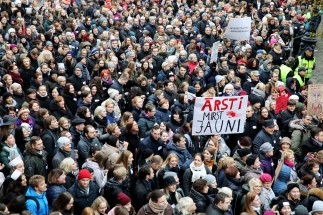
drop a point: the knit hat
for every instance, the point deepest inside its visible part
(129, 54)
(308, 48)
(94, 51)
(8, 120)
(265, 177)
(266, 147)
(173, 174)
(269, 213)
(294, 97)
(15, 161)
(22, 111)
(317, 207)
(219, 78)
(62, 141)
(301, 210)
(282, 203)
(285, 140)
(146, 153)
(244, 152)
(299, 106)
(6, 95)
(170, 180)
(291, 186)
(84, 173)
(15, 86)
(110, 64)
(251, 159)
(49, 43)
(209, 178)
(12, 46)
(113, 92)
(123, 199)
(11, 30)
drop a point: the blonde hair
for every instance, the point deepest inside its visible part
(225, 162)
(253, 182)
(287, 153)
(95, 205)
(169, 157)
(66, 164)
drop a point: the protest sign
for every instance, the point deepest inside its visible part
(238, 29)
(315, 99)
(214, 54)
(219, 115)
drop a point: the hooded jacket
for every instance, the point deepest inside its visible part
(31, 205)
(35, 162)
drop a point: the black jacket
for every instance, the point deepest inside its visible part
(35, 163)
(112, 189)
(200, 201)
(81, 199)
(310, 145)
(141, 190)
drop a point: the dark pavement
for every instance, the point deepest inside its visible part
(317, 76)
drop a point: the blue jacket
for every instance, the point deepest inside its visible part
(185, 158)
(31, 205)
(155, 145)
(145, 125)
(53, 191)
(162, 115)
(280, 184)
(261, 138)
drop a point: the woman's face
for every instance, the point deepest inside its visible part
(294, 193)
(197, 161)
(256, 202)
(135, 127)
(24, 116)
(197, 87)
(20, 167)
(94, 90)
(229, 90)
(286, 210)
(102, 209)
(257, 188)
(173, 162)
(165, 105)
(110, 108)
(23, 181)
(42, 91)
(176, 116)
(103, 113)
(35, 107)
(172, 188)
(264, 113)
(70, 204)
(88, 113)
(25, 132)
(10, 141)
(164, 137)
(130, 159)
(128, 206)
(139, 103)
(66, 124)
(207, 155)
(55, 93)
(61, 179)
(72, 90)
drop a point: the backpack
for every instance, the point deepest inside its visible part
(34, 199)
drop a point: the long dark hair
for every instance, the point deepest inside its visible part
(62, 200)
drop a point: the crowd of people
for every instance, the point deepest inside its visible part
(97, 100)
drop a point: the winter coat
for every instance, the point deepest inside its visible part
(84, 146)
(300, 133)
(233, 183)
(70, 101)
(267, 164)
(31, 205)
(200, 201)
(283, 120)
(155, 145)
(59, 112)
(112, 189)
(265, 198)
(44, 101)
(141, 191)
(145, 125)
(5, 157)
(252, 173)
(70, 180)
(214, 210)
(35, 163)
(162, 115)
(187, 180)
(61, 155)
(280, 184)
(314, 194)
(251, 126)
(185, 158)
(112, 153)
(50, 138)
(53, 191)
(261, 138)
(175, 125)
(311, 145)
(81, 199)
(264, 72)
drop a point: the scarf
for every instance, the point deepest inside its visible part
(156, 208)
(288, 163)
(209, 163)
(13, 152)
(197, 172)
(277, 51)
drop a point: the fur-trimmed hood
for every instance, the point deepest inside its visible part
(316, 192)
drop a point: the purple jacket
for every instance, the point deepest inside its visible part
(267, 165)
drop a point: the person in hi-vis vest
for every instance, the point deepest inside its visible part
(306, 60)
(300, 77)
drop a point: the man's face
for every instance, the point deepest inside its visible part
(291, 107)
(39, 146)
(249, 112)
(67, 147)
(307, 120)
(319, 137)
(225, 205)
(207, 31)
(84, 182)
(269, 130)
(151, 175)
(77, 72)
(80, 127)
(309, 53)
(242, 69)
(155, 133)
(170, 86)
(255, 77)
(91, 133)
(42, 187)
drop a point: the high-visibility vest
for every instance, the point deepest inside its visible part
(284, 70)
(300, 80)
(308, 64)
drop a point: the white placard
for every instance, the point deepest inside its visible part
(238, 29)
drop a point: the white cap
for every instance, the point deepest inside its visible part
(15, 175)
